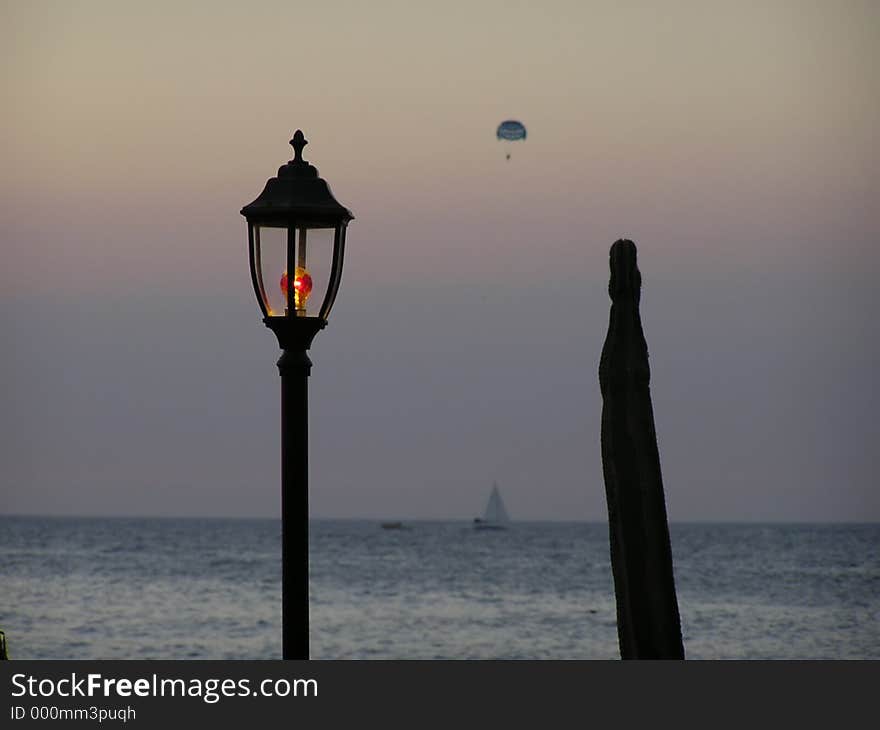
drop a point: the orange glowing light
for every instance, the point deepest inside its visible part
(303, 282)
(302, 287)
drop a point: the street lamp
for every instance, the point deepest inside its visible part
(296, 243)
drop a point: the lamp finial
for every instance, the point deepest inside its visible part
(298, 142)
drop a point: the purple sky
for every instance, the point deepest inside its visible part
(736, 143)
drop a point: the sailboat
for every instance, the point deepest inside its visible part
(495, 516)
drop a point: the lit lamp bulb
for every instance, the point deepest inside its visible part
(302, 287)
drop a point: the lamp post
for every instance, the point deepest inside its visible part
(296, 243)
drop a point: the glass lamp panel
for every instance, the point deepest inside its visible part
(336, 271)
(311, 264)
(271, 257)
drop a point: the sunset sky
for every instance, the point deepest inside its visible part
(735, 142)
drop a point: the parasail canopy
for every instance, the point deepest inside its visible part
(511, 130)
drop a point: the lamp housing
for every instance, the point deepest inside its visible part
(296, 246)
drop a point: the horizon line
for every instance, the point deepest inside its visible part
(328, 518)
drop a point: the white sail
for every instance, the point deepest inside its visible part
(495, 511)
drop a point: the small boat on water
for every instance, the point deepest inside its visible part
(394, 526)
(495, 516)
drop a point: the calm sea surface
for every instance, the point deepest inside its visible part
(210, 589)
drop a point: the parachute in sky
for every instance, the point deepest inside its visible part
(510, 131)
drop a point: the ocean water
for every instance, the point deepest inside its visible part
(210, 589)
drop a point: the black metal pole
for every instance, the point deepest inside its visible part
(295, 335)
(294, 368)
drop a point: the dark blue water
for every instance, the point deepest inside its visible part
(199, 589)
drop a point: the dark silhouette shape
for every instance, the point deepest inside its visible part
(298, 143)
(297, 199)
(648, 624)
